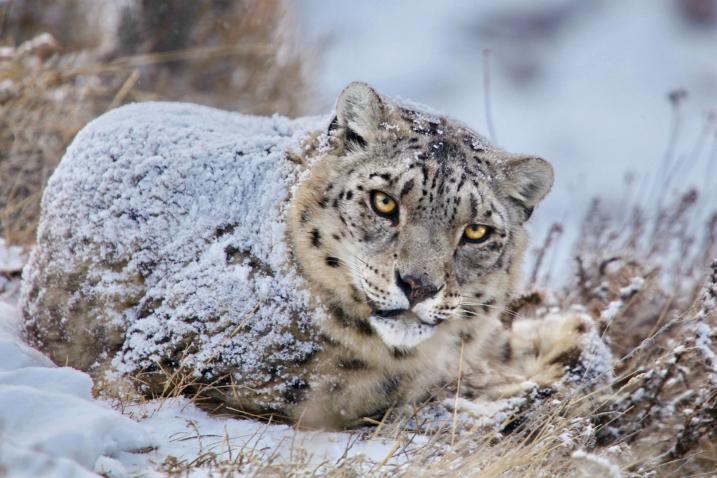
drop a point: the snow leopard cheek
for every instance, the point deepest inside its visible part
(472, 263)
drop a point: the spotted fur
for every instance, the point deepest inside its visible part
(398, 301)
(443, 177)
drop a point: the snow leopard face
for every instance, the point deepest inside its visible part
(413, 220)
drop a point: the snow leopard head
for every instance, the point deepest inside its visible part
(412, 220)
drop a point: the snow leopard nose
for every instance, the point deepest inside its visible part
(416, 287)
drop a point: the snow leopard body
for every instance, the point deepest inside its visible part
(243, 261)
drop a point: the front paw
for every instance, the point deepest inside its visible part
(562, 347)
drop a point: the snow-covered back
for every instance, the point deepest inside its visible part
(179, 211)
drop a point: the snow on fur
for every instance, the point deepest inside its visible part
(207, 279)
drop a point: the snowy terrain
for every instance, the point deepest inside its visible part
(614, 60)
(53, 427)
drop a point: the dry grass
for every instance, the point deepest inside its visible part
(61, 68)
(657, 308)
(648, 277)
(643, 275)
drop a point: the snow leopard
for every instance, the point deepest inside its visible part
(317, 270)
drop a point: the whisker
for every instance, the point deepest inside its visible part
(349, 264)
(504, 310)
(357, 257)
(354, 268)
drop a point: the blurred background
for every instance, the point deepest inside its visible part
(621, 96)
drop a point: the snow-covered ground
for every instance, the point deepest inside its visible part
(53, 427)
(587, 91)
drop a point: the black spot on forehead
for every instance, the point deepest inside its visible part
(424, 173)
(420, 157)
(474, 206)
(407, 187)
(462, 182)
(445, 151)
(385, 176)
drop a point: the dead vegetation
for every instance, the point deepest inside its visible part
(60, 68)
(656, 309)
(645, 273)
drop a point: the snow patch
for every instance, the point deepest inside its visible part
(12, 258)
(51, 426)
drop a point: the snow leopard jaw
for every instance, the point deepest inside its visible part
(401, 333)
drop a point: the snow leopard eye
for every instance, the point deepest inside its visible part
(477, 233)
(384, 205)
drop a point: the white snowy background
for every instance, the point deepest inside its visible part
(584, 83)
(581, 83)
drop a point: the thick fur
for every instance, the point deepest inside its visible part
(375, 347)
(445, 177)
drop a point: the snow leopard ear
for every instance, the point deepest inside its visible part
(528, 180)
(359, 111)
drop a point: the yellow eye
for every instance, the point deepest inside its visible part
(477, 233)
(383, 204)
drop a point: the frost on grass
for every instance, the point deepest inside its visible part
(167, 220)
